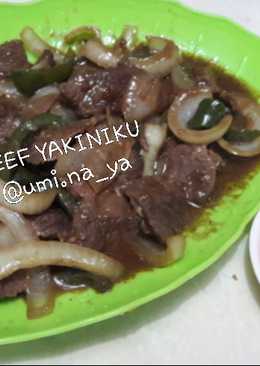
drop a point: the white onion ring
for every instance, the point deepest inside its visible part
(39, 292)
(40, 297)
(161, 62)
(36, 45)
(245, 149)
(99, 54)
(129, 37)
(155, 136)
(184, 108)
(33, 43)
(16, 224)
(180, 79)
(148, 252)
(33, 254)
(6, 237)
(33, 204)
(251, 111)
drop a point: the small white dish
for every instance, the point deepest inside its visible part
(254, 245)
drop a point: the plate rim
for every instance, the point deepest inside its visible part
(172, 286)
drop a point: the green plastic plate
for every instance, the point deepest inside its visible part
(211, 37)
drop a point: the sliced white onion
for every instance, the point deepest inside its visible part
(47, 90)
(99, 54)
(33, 254)
(155, 135)
(6, 236)
(40, 296)
(8, 88)
(16, 224)
(130, 37)
(162, 61)
(180, 79)
(33, 43)
(154, 256)
(251, 111)
(181, 112)
(245, 149)
(36, 45)
(40, 103)
(33, 204)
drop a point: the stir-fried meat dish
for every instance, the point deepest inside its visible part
(175, 130)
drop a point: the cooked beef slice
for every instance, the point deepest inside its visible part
(12, 58)
(82, 190)
(91, 90)
(9, 117)
(52, 224)
(100, 218)
(135, 172)
(146, 95)
(88, 229)
(189, 170)
(163, 213)
(186, 176)
(47, 136)
(14, 285)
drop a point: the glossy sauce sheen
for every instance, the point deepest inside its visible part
(237, 170)
(234, 174)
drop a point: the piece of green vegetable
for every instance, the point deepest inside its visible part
(82, 34)
(27, 128)
(25, 176)
(242, 136)
(208, 115)
(24, 132)
(72, 279)
(29, 81)
(67, 201)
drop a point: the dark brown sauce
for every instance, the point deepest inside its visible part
(231, 181)
(233, 177)
(201, 69)
(236, 173)
(124, 253)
